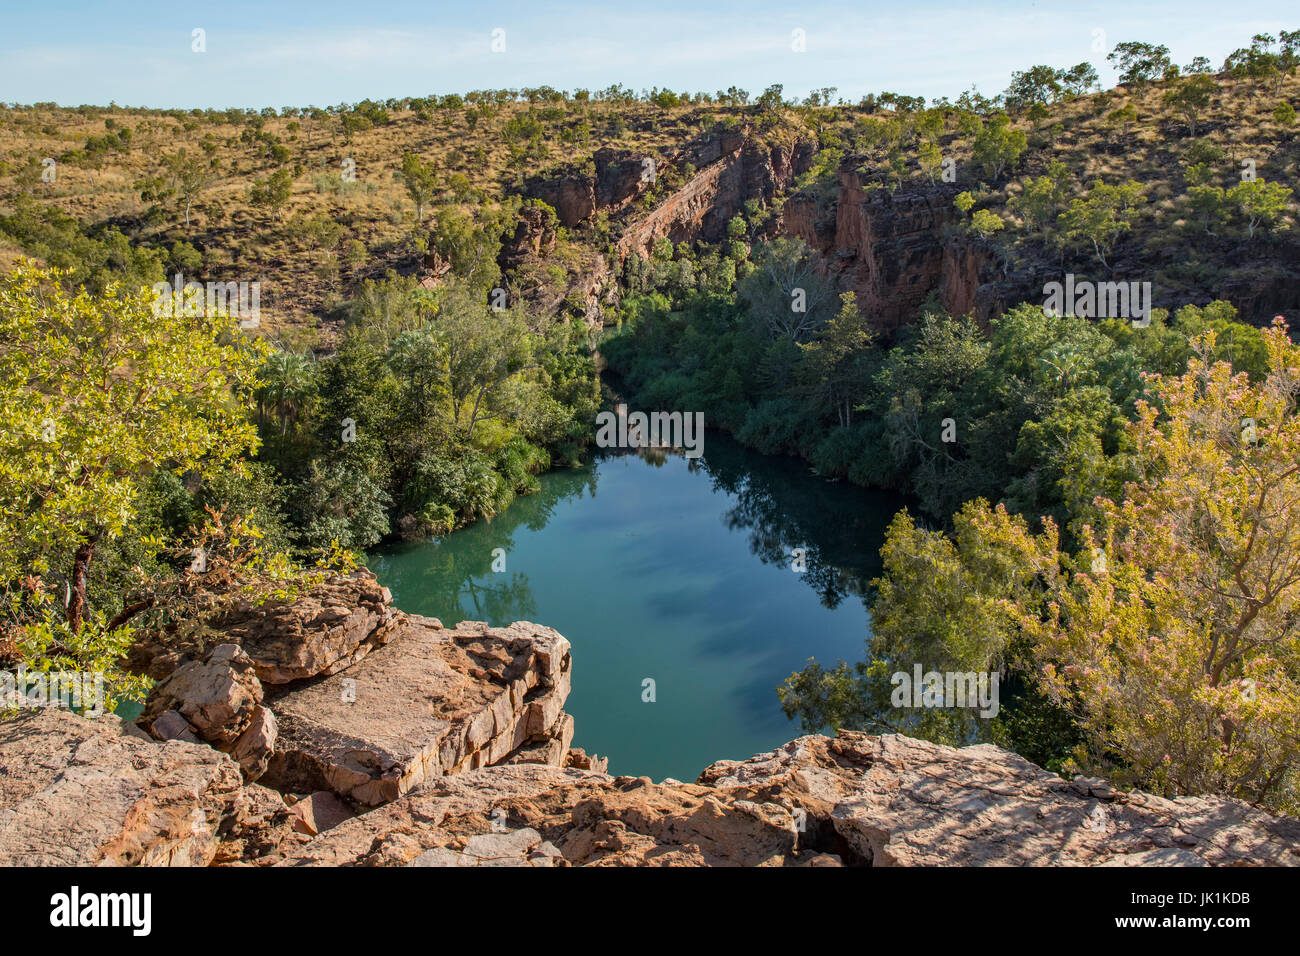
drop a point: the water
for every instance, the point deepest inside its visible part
(654, 566)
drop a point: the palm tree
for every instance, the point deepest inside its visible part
(288, 380)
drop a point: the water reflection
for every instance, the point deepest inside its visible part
(456, 571)
(778, 504)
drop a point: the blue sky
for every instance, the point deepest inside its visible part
(325, 52)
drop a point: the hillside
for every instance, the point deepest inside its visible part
(621, 172)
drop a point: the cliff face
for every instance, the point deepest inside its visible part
(744, 169)
(893, 250)
(720, 172)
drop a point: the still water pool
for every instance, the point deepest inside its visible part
(677, 571)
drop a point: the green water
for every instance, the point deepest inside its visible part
(673, 570)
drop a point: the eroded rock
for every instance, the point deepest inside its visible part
(330, 626)
(434, 701)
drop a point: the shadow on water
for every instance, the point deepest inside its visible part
(646, 563)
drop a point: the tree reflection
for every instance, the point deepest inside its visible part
(783, 506)
(463, 576)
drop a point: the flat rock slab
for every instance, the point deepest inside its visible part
(82, 792)
(431, 701)
(897, 801)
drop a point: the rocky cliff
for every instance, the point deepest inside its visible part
(713, 177)
(894, 249)
(438, 746)
(76, 791)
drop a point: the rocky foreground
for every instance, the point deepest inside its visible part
(335, 731)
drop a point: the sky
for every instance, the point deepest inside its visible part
(326, 52)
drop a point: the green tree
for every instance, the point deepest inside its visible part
(785, 291)
(98, 392)
(1172, 636)
(273, 192)
(998, 145)
(1190, 98)
(985, 223)
(835, 367)
(1102, 216)
(421, 181)
(1079, 79)
(1039, 202)
(1260, 203)
(1038, 84)
(190, 175)
(1139, 63)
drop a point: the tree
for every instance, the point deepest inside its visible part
(273, 192)
(1038, 84)
(1079, 79)
(98, 392)
(420, 180)
(834, 366)
(1102, 215)
(1207, 200)
(1167, 632)
(1258, 62)
(286, 380)
(931, 159)
(484, 348)
(1190, 97)
(1260, 202)
(941, 602)
(1173, 636)
(1039, 202)
(771, 101)
(340, 504)
(354, 123)
(1139, 63)
(785, 291)
(985, 223)
(998, 145)
(190, 176)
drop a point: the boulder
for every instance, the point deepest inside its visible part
(318, 812)
(432, 701)
(261, 830)
(581, 760)
(217, 701)
(256, 744)
(82, 792)
(216, 696)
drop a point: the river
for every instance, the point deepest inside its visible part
(662, 569)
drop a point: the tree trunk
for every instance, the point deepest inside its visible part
(77, 598)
